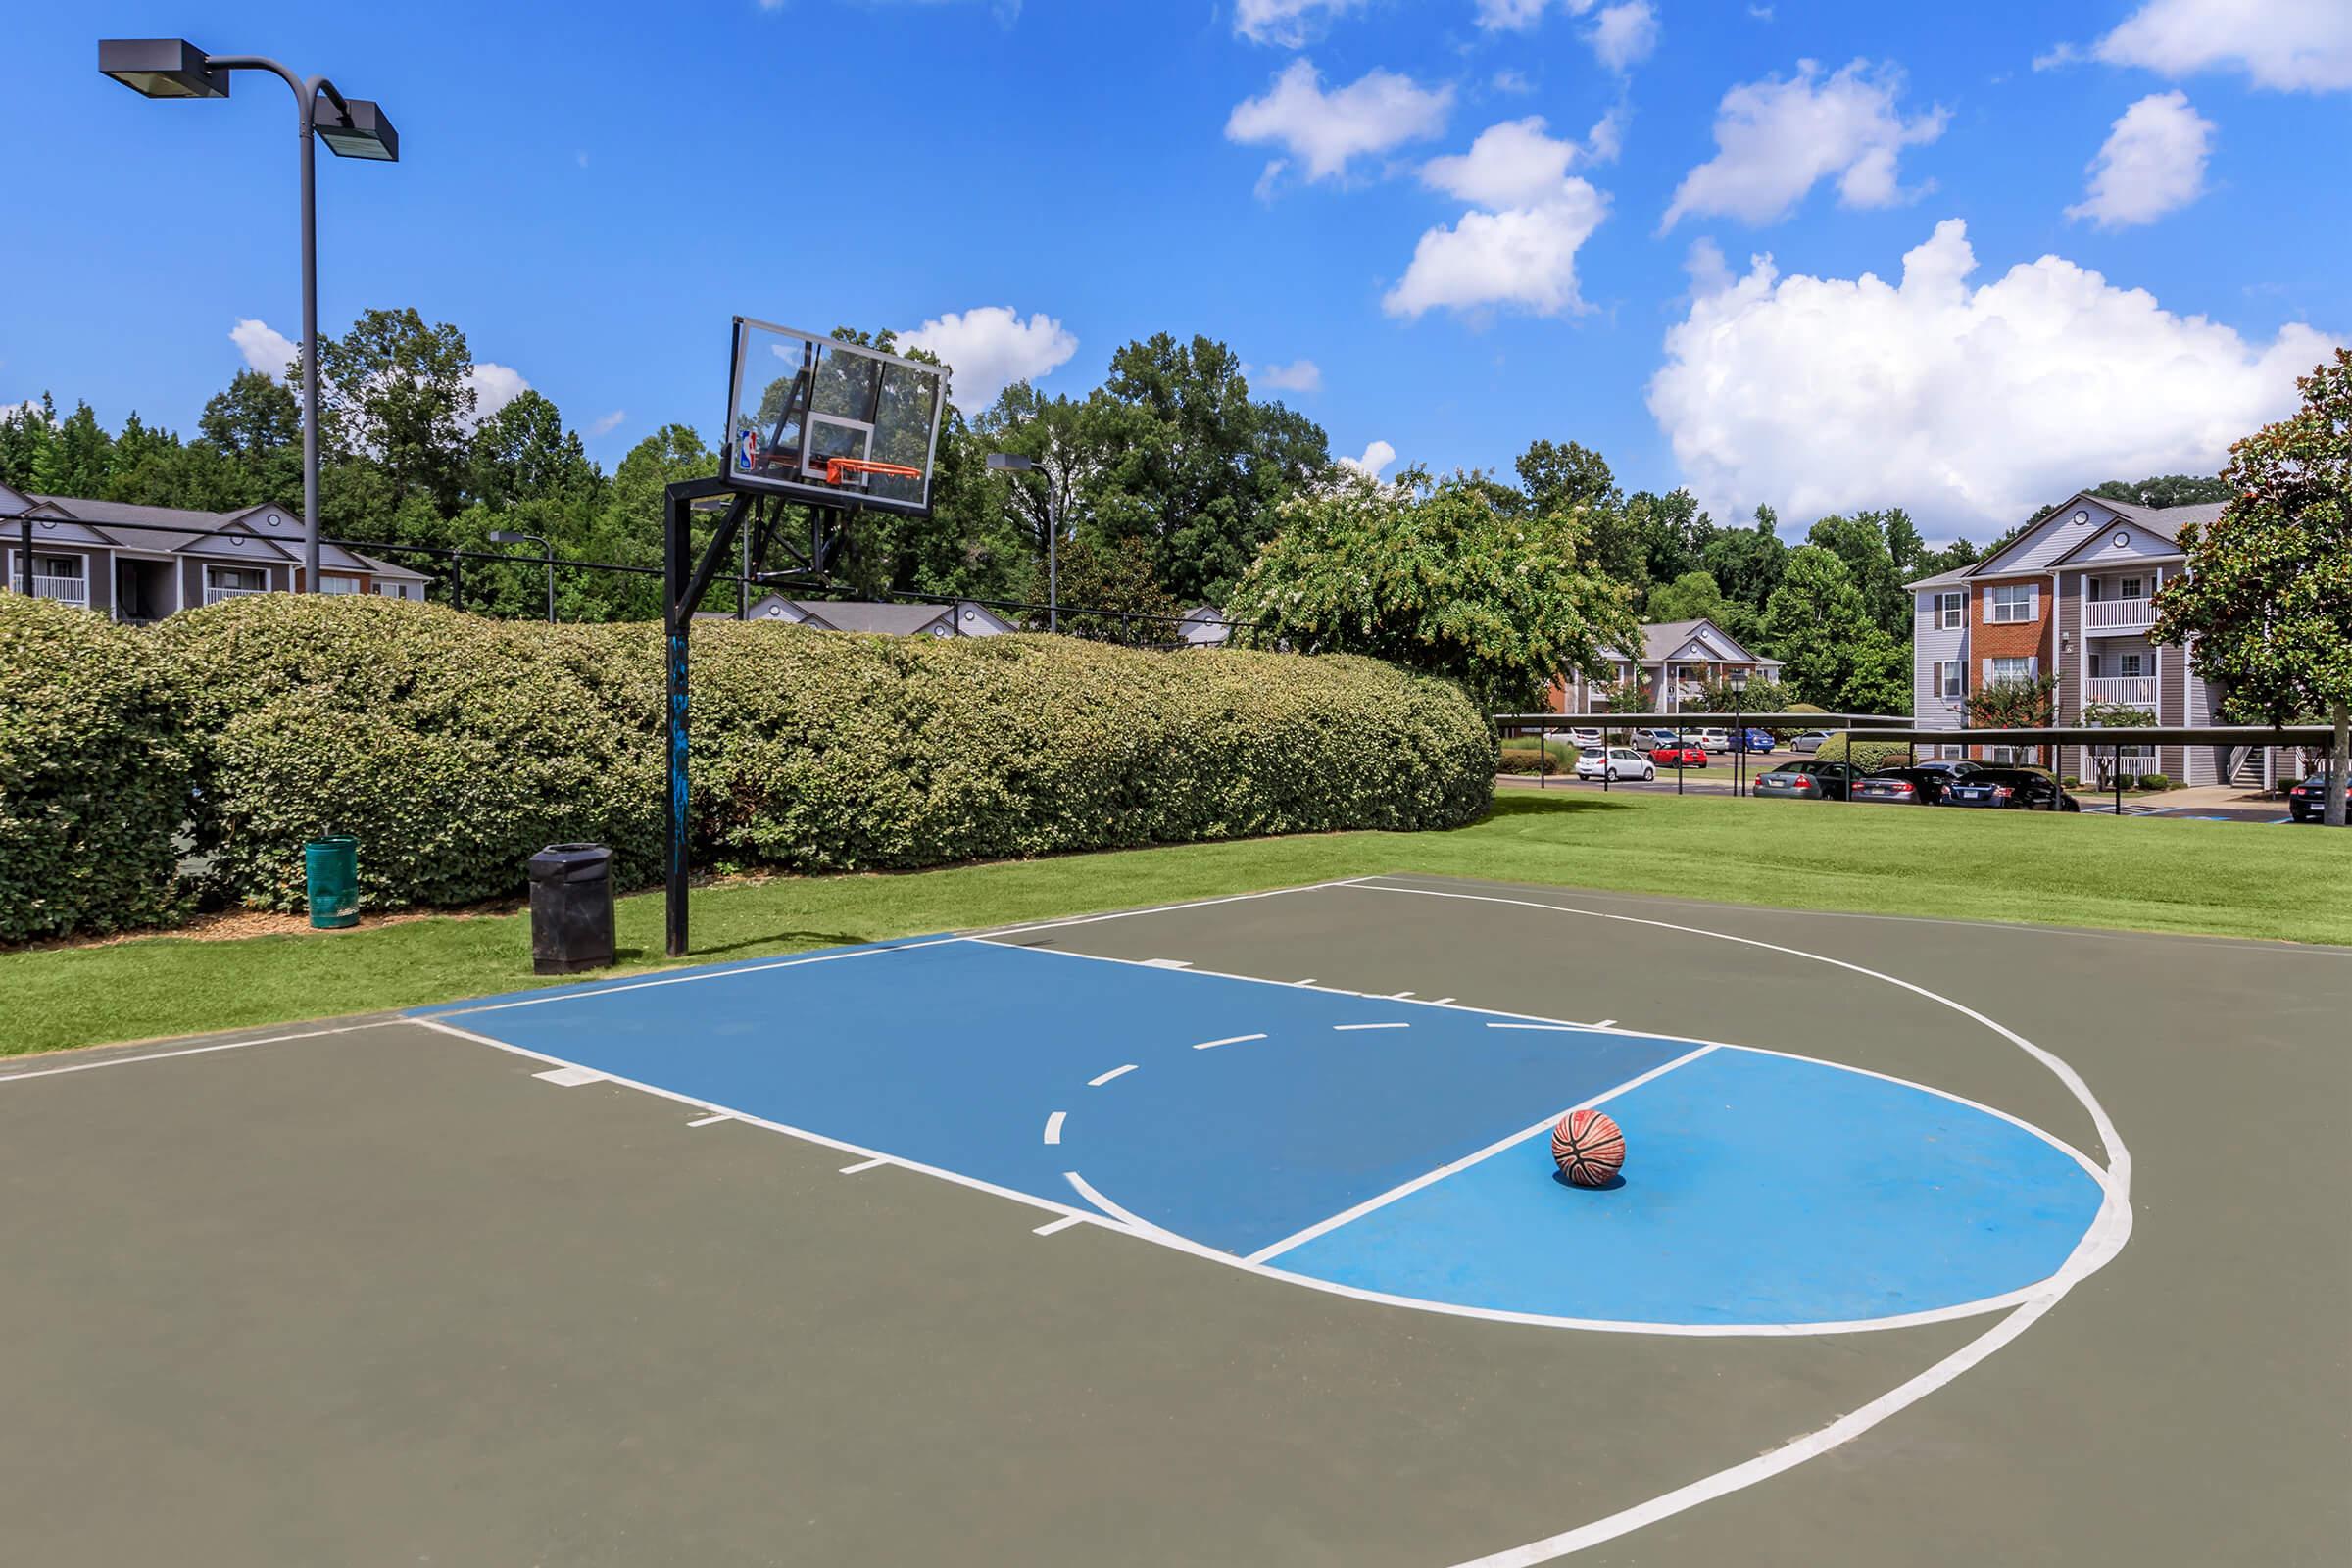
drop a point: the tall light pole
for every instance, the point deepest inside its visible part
(1014, 463)
(546, 553)
(351, 128)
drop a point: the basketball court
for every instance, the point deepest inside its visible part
(1221, 1232)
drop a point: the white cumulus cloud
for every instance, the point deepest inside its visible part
(2289, 45)
(1623, 33)
(989, 348)
(1377, 456)
(493, 387)
(1968, 404)
(1299, 375)
(1775, 140)
(1287, 22)
(1326, 131)
(265, 347)
(2153, 162)
(607, 423)
(1521, 257)
(1515, 164)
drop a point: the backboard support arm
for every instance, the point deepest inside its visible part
(685, 580)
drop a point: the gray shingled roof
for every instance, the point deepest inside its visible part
(2164, 521)
(851, 615)
(1660, 639)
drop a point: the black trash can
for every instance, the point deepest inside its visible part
(571, 908)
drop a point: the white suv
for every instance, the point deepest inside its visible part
(1714, 740)
(1616, 763)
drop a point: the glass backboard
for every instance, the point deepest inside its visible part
(831, 421)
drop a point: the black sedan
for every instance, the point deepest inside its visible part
(1813, 780)
(2017, 789)
(2307, 802)
(1904, 786)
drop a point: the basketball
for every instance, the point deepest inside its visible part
(1588, 1146)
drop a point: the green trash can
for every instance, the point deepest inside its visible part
(331, 870)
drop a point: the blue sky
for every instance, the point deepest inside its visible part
(591, 190)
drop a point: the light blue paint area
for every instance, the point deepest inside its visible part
(1757, 1189)
(955, 1055)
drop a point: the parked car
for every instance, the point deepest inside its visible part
(1755, 742)
(1585, 735)
(1903, 786)
(1715, 740)
(1614, 762)
(1813, 780)
(1948, 766)
(2016, 789)
(1689, 755)
(1645, 739)
(2307, 802)
(1809, 741)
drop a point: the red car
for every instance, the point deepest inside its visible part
(1691, 753)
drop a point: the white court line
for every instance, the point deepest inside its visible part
(864, 1165)
(1561, 1028)
(1372, 1025)
(1345, 1216)
(1055, 1227)
(571, 1077)
(1054, 1126)
(1166, 963)
(1606, 1023)
(1308, 981)
(1230, 1039)
(572, 994)
(712, 1121)
(199, 1051)
(1398, 996)
(1443, 1002)
(1115, 1072)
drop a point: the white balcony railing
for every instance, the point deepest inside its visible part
(66, 590)
(212, 596)
(2137, 690)
(2119, 614)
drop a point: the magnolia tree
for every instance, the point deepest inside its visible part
(1433, 576)
(2266, 602)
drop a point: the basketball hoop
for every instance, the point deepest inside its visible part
(836, 467)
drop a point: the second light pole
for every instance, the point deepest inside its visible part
(546, 553)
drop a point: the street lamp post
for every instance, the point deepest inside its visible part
(508, 536)
(351, 128)
(1014, 463)
(1738, 679)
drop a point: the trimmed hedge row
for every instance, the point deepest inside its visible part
(452, 747)
(96, 762)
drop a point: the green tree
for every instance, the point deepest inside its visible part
(1674, 534)
(1820, 626)
(400, 395)
(1692, 596)
(1183, 457)
(74, 461)
(2265, 604)
(25, 433)
(1861, 542)
(1566, 479)
(523, 453)
(1116, 577)
(1747, 563)
(1436, 578)
(255, 424)
(2168, 490)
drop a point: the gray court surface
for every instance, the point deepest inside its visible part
(382, 1295)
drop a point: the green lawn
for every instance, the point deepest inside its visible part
(2145, 875)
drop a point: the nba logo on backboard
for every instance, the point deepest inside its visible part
(747, 450)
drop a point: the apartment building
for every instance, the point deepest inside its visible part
(1678, 659)
(141, 564)
(2073, 596)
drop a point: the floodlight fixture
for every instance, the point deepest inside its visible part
(1009, 462)
(351, 128)
(161, 68)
